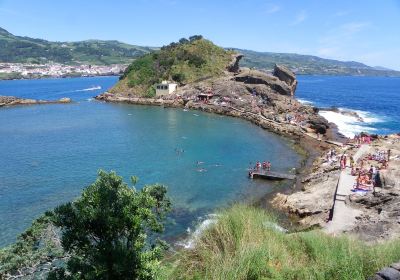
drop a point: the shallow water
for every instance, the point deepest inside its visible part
(50, 152)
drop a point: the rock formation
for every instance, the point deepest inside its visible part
(234, 65)
(12, 101)
(284, 74)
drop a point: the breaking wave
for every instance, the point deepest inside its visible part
(190, 243)
(350, 125)
(303, 101)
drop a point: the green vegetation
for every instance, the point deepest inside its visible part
(244, 244)
(28, 50)
(37, 244)
(109, 230)
(184, 62)
(308, 64)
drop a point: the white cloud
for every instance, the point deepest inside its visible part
(272, 9)
(300, 17)
(354, 27)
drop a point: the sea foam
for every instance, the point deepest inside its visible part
(349, 125)
(190, 243)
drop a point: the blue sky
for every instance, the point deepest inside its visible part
(362, 30)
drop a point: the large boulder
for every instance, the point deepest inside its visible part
(287, 76)
(318, 123)
(234, 64)
(256, 77)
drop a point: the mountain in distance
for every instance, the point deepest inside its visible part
(18, 49)
(310, 65)
(22, 49)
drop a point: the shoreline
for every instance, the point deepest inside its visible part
(310, 148)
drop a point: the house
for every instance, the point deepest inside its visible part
(165, 88)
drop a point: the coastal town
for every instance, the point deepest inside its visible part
(10, 71)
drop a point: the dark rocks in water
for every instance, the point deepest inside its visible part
(344, 112)
(287, 76)
(318, 123)
(234, 65)
(12, 101)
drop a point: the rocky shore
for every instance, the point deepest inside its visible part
(6, 101)
(268, 101)
(377, 210)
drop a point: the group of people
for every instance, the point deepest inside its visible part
(362, 139)
(371, 178)
(343, 161)
(367, 179)
(265, 165)
(331, 156)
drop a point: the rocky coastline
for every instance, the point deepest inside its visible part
(6, 101)
(269, 102)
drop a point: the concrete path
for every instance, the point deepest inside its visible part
(344, 216)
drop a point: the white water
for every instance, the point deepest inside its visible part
(89, 89)
(349, 126)
(190, 243)
(305, 102)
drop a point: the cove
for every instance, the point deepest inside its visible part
(49, 153)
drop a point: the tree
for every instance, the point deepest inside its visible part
(110, 230)
(195, 38)
(183, 41)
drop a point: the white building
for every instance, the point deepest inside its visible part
(165, 88)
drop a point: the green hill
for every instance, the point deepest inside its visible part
(184, 62)
(308, 64)
(28, 50)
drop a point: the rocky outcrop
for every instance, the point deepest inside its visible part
(255, 77)
(391, 272)
(12, 101)
(313, 203)
(287, 76)
(319, 124)
(234, 64)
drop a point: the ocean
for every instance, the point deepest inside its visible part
(49, 153)
(375, 99)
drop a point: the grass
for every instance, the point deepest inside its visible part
(243, 245)
(180, 62)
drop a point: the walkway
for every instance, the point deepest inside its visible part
(344, 216)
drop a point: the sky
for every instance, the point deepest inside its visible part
(367, 31)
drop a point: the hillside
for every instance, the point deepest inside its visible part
(19, 49)
(184, 62)
(308, 64)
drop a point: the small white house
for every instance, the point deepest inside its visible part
(165, 88)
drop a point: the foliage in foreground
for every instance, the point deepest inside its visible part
(108, 230)
(245, 245)
(39, 243)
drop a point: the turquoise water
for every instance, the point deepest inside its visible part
(50, 152)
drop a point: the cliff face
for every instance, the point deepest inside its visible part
(282, 81)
